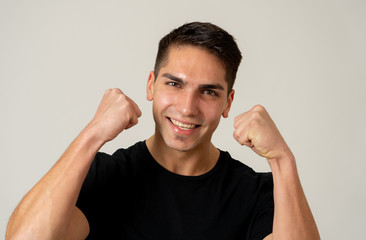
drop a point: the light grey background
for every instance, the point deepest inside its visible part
(304, 60)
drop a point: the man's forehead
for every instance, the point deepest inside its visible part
(194, 58)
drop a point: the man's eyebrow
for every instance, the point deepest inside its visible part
(212, 86)
(174, 78)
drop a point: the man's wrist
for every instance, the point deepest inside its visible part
(91, 138)
(285, 164)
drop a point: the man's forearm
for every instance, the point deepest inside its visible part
(45, 212)
(292, 218)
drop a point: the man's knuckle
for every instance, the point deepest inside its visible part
(116, 90)
(256, 115)
(258, 108)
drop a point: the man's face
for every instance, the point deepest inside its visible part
(189, 97)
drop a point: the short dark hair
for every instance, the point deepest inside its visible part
(206, 36)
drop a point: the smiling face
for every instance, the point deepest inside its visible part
(189, 97)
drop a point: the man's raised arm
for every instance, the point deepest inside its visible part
(292, 216)
(48, 210)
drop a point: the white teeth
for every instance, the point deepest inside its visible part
(183, 125)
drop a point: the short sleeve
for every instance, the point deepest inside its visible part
(87, 199)
(264, 211)
(92, 200)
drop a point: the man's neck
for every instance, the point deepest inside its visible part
(188, 163)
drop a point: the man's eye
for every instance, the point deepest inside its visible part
(173, 84)
(209, 92)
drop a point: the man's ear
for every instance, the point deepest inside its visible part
(150, 86)
(230, 99)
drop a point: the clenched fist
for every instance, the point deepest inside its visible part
(115, 113)
(256, 130)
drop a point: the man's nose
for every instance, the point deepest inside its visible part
(188, 103)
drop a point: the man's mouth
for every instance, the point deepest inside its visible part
(183, 126)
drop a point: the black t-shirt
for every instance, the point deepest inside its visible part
(130, 196)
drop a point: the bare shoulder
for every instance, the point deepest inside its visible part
(79, 226)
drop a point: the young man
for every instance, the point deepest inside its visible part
(176, 184)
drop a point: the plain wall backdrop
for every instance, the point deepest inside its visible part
(305, 61)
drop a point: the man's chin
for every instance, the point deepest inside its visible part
(180, 145)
